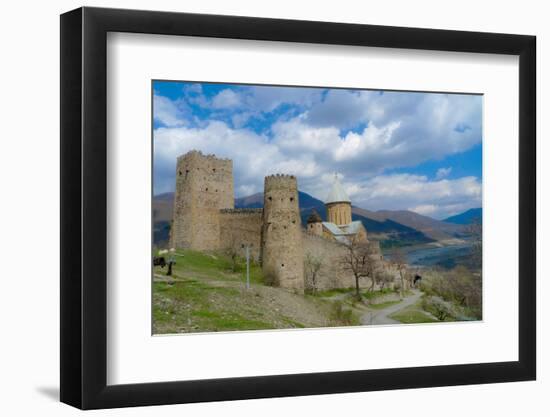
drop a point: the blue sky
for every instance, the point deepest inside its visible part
(392, 150)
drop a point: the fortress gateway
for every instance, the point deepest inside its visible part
(205, 219)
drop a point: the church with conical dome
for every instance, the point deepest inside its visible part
(339, 225)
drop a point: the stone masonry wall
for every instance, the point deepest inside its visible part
(332, 274)
(204, 185)
(241, 226)
(282, 251)
(339, 213)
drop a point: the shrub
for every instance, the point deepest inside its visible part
(385, 279)
(270, 279)
(437, 307)
(459, 286)
(397, 286)
(341, 315)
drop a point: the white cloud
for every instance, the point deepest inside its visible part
(253, 155)
(424, 126)
(439, 198)
(369, 152)
(443, 172)
(240, 119)
(168, 112)
(192, 89)
(267, 99)
(226, 99)
(425, 209)
(314, 140)
(256, 100)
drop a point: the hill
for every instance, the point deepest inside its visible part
(252, 201)
(162, 216)
(206, 293)
(467, 217)
(431, 228)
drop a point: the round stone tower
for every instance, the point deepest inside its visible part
(282, 249)
(338, 205)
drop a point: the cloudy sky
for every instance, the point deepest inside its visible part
(391, 150)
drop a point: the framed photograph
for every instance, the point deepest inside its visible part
(258, 208)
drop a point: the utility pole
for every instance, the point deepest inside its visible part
(247, 267)
(246, 247)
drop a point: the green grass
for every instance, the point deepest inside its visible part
(341, 315)
(383, 305)
(205, 294)
(371, 295)
(218, 265)
(292, 323)
(191, 305)
(334, 292)
(232, 321)
(413, 314)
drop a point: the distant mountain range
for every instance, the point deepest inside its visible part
(391, 227)
(468, 217)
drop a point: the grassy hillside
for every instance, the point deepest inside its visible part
(206, 294)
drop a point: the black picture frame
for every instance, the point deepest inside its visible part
(84, 207)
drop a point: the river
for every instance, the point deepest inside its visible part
(430, 255)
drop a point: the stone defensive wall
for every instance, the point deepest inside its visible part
(331, 274)
(241, 226)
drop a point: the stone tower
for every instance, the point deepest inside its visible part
(338, 205)
(204, 185)
(315, 224)
(282, 248)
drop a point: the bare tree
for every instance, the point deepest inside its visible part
(399, 260)
(233, 252)
(360, 260)
(312, 263)
(384, 279)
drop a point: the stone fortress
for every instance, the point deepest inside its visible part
(205, 219)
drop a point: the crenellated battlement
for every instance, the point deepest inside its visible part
(279, 176)
(194, 154)
(282, 185)
(280, 181)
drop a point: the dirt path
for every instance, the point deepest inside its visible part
(382, 316)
